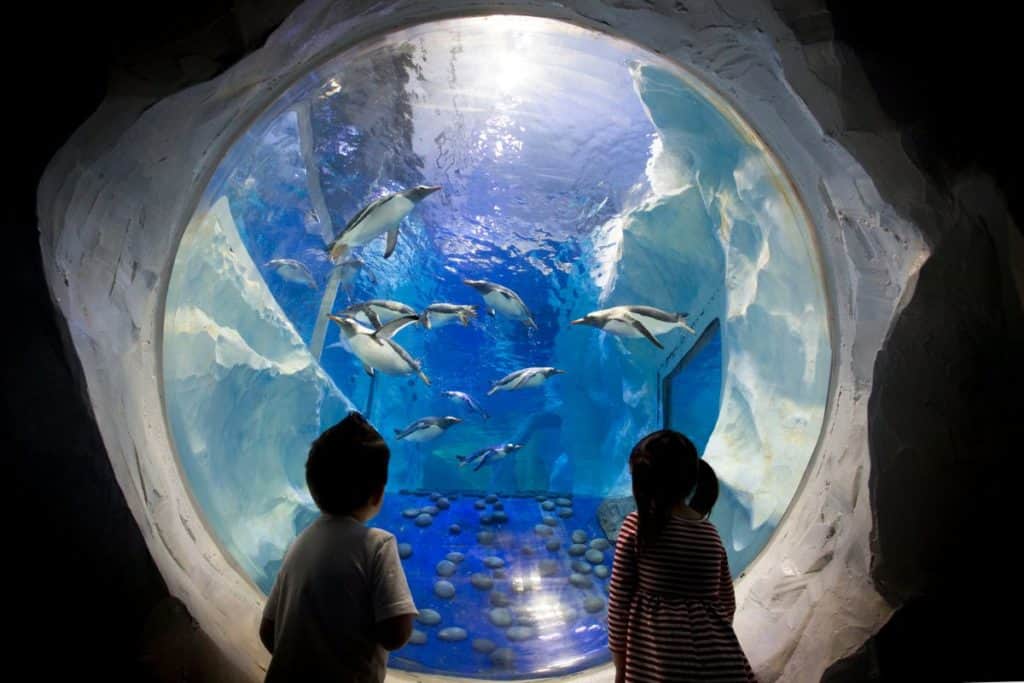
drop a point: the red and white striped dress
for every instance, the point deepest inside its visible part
(670, 607)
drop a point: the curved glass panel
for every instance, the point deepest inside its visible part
(579, 172)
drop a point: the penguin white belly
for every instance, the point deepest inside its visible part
(621, 329)
(380, 220)
(426, 434)
(530, 382)
(505, 306)
(657, 327)
(379, 356)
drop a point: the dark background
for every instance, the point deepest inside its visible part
(85, 599)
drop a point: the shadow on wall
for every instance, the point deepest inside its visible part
(943, 421)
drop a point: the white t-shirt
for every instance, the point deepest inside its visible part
(338, 579)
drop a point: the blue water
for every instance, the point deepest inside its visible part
(535, 162)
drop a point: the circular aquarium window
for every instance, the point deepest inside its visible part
(565, 242)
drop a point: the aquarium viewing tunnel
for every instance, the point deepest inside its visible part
(517, 244)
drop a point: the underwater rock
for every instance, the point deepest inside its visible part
(517, 633)
(500, 617)
(601, 544)
(480, 505)
(581, 567)
(444, 589)
(543, 530)
(498, 574)
(404, 551)
(431, 510)
(424, 520)
(500, 517)
(452, 634)
(550, 521)
(487, 518)
(568, 614)
(482, 581)
(445, 568)
(525, 616)
(455, 556)
(548, 567)
(429, 617)
(580, 580)
(499, 599)
(483, 645)
(579, 536)
(410, 512)
(434, 495)
(577, 549)
(563, 501)
(540, 499)
(601, 571)
(503, 657)
(455, 529)
(593, 603)
(443, 503)
(527, 550)
(491, 498)
(565, 513)
(485, 537)
(594, 556)
(548, 505)
(553, 544)
(418, 637)
(494, 562)
(498, 506)
(611, 513)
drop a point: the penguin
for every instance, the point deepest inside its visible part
(380, 216)
(636, 321)
(503, 300)
(439, 315)
(291, 270)
(526, 378)
(426, 429)
(489, 454)
(375, 348)
(378, 312)
(466, 399)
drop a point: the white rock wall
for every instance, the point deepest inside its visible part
(115, 201)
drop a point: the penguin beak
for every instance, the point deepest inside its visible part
(430, 189)
(559, 372)
(579, 321)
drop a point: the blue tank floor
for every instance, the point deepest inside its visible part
(556, 626)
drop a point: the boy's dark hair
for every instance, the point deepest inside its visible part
(666, 468)
(347, 464)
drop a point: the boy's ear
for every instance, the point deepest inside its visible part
(376, 497)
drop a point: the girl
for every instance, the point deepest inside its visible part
(671, 601)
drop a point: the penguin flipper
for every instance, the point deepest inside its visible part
(481, 462)
(639, 327)
(530, 323)
(392, 241)
(490, 312)
(374, 319)
(335, 345)
(391, 329)
(368, 370)
(684, 325)
(423, 376)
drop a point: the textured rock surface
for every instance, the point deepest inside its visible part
(814, 578)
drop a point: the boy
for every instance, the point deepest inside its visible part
(341, 598)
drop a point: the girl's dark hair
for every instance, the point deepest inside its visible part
(347, 465)
(666, 468)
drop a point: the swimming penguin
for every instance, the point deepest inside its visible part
(526, 378)
(426, 429)
(503, 300)
(378, 312)
(291, 270)
(489, 454)
(380, 216)
(466, 399)
(375, 348)
(636, 321)
(439, 315)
